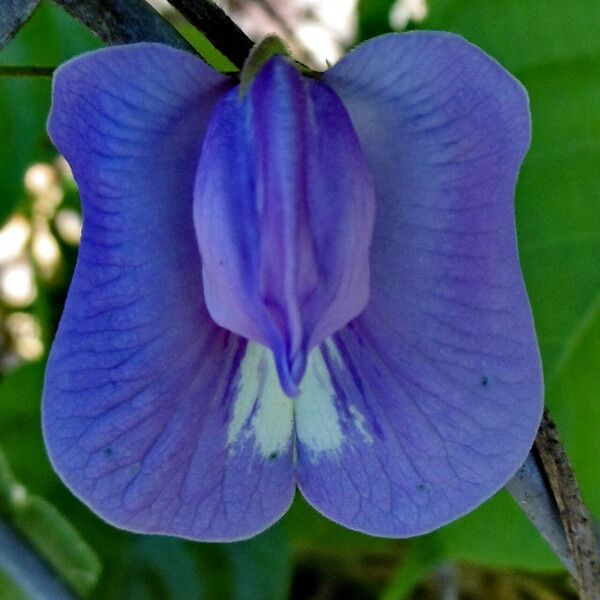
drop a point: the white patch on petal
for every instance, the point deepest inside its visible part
(358, 419)
(272, 423)
(317, 421)
(359, 422)
(333, 352)
(248, 393)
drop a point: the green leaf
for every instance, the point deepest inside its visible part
(48, 39)
(216, 571)
(10, 590)
(558, 202)
(48, 532)
(307, 528)
(497, 534)
(27, 570)
(373, 18)
(522, 33)
(261, 567)
(160, 568)
(20, 427)
(424, 554)
(58, 542)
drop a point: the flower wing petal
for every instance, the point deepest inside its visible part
(146, 412)
(435, 390)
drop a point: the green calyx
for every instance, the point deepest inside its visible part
(260, 54)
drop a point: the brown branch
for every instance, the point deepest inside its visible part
(124, 22)
(14, 14)
(574, 515)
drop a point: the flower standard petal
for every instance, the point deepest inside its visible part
(138, 404)
(284, 209)
(438, 387)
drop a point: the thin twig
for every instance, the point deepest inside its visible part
(575, 518)
(25, 71)
(124, 22)
(21, 563)
(219, 29)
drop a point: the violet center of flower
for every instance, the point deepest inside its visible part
(283, 211)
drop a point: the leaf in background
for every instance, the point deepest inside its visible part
(160, 568)
(27, 571)
(373, 18)
(9, 590)
(20, 427)
(261, 567)
(497, 534)
(14, 14)
(507, 540)
(558, 202)
(522, 33)
(215, 569)
(309, 529)
(348, 560)
(48, 532)
(48, 39)
(424, 554)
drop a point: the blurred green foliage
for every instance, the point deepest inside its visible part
(48, 532)
(373, 18)
(554, 49)
(49, 39)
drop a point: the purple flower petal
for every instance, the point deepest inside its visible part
(138, 408)
(284, 210)
(436, 389)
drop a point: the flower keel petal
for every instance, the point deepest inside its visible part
(284, 209)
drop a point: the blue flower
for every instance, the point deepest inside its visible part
(310, 282)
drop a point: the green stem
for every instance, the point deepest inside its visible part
(25, 71)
